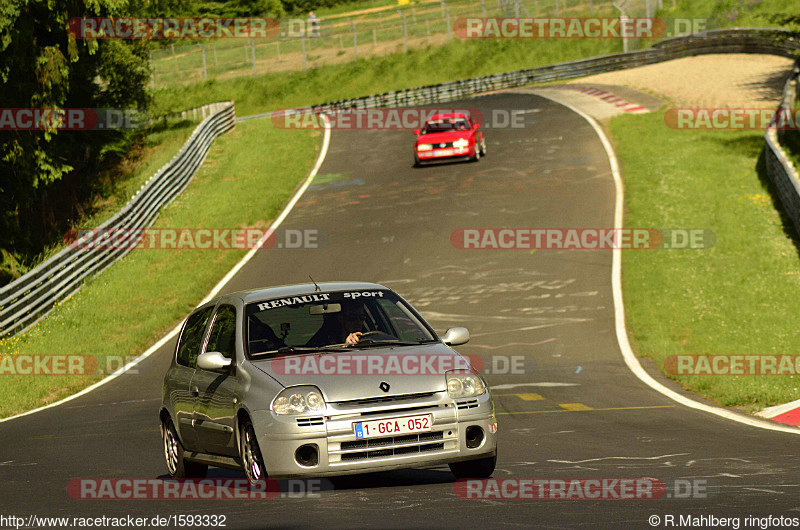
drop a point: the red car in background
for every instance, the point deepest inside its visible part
(449, 137)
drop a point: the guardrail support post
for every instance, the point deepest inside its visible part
(172, 46)
(622, 16)
(446, 11)
(152, 72)
(483, 9)
(355, 38)
(205, 70)
(405, 29)
(303, 43)
(253, 50)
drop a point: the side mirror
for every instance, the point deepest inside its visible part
(476, 126)
(456, 336)
(213, 361)
(416, 131)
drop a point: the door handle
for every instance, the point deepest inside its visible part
(195, 391)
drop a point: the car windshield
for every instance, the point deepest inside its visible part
(446, 124)
(321, 321)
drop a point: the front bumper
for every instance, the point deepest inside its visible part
(341, 453)
(448, 154)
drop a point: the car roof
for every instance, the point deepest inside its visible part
(282, 291)
(448, 116)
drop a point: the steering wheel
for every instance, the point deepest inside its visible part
(373, 334)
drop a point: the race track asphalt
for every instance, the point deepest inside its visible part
(574, 412)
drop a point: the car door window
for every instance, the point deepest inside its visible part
(192, 337)
(223, 332)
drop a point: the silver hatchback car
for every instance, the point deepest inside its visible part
(315, 380)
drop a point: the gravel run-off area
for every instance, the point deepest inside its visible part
(741, 80)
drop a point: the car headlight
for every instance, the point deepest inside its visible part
(461, 385)
(461, 142)
(298, 400)
(424, 147)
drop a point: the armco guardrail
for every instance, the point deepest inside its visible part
(780, 170)
(27, 299)
(738, 40)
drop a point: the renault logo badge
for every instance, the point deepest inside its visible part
(384, 386)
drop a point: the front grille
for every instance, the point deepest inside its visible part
(467, 404)
(310, 422)
(392, 440)
(407, 444)
(384, 412)
(384, 399)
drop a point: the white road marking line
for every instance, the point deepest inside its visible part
(777, 410)
(766, 491)
(166, 338)
(114, 403)
(616, 458)
(547, 385)
(619, 309)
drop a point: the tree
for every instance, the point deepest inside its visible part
(45, 172)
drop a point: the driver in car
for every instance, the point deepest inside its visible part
(343, 327)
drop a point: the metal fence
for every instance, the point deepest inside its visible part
(343, 38)
(780, 169)
(30, 297)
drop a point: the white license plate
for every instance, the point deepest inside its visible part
(393, 426)
(443, 152)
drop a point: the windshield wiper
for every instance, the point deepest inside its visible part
(389, 342)
(297, 350)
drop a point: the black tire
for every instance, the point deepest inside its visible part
(250, 453)
(481, 468)
(177, 466)
(477, 153)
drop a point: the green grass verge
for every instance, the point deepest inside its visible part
(739, 297)
(135, 302)
(116, 186)
(459, 59)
